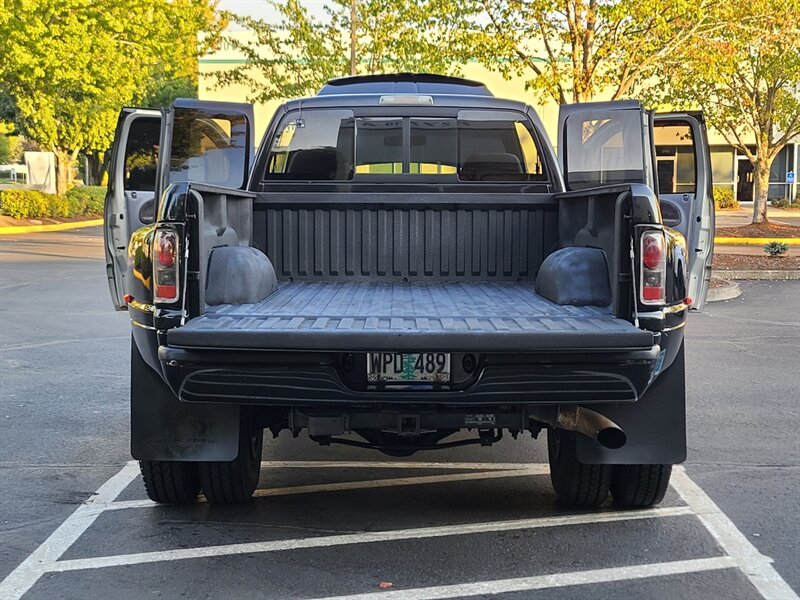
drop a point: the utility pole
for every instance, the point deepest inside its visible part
(353, 37)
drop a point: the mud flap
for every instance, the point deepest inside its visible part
(164, 428)
(655, 425)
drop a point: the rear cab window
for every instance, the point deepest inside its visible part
(473, 146)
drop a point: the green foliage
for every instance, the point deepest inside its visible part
(784, 203)
(68, 66)
(24, 204)
(30, 204)
(573, 50)
(10, 145)
(296, 56)
(745, 78)
(775, 249)
(723, 199)
(87, 199)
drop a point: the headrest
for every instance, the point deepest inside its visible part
(315, 163)
(492, 166)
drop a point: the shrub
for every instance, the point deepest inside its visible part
(784, 203)
(24, 204)
(30, 204)
(87, 199)
(775, 249)
(723, 199)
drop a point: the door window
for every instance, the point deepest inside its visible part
(141, 154)
(209, 148)
(675, 156)
(604, 148)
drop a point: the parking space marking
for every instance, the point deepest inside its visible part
(363, 485)
(739, 551)
(756, 567)
(400, 465)
(365, 537)
(555, 580)
(41, 560)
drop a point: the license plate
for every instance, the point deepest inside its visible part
(395, 366)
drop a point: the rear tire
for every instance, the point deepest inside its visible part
(169, 482)
(575, 483)
(234, 482)
(639, 486)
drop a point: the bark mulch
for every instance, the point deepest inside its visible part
(737, 262)
(760, 230)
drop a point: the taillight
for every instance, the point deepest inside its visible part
(653, 267)
(165, 266)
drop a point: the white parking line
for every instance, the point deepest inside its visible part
(363, 485)
(365, 537)
(741, 553)
(757, 567)
(400, 465)
(42, 559)
(555, 580)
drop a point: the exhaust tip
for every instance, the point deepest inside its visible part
(612, 438)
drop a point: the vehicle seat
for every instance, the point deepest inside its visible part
(492, 166)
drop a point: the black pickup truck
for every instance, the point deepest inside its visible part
(405, 259)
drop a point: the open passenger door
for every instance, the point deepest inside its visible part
(604, 143)
(196, 141)
(685, 191)
(130, 199)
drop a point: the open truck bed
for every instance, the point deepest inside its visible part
(394, 316)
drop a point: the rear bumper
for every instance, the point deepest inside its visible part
(338, 379)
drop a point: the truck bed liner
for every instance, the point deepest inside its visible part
(393, 316)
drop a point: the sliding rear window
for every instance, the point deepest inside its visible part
(335, 145)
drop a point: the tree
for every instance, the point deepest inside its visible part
(296, 56)
(746, 79)
(572, 50)
(70, 65)
(10, 145)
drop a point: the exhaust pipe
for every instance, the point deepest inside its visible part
(586, 422)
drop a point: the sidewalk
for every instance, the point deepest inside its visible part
(743, 216)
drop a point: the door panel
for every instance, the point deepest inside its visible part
(130, 199)
(687, 202)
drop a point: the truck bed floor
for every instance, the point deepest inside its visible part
(387, 316)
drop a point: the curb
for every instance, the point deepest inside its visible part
(745, 241)
(730, 291)
(11, 229)
(758, 274)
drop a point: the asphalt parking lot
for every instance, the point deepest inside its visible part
(343, 522)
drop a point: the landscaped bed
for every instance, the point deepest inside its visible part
(747, 262)
(760, 230)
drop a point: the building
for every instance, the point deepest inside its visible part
(731, 169)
